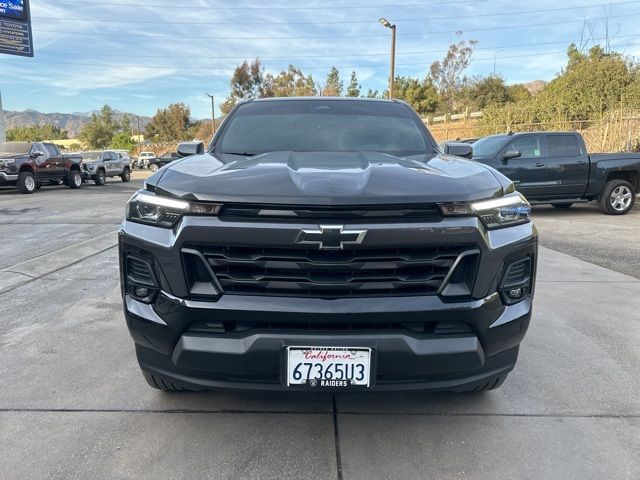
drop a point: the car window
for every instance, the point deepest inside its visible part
(51, 149)
(304, 125)
(528, 146)
(563, 146)
(489, 146)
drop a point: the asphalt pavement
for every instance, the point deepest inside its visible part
(73, 403)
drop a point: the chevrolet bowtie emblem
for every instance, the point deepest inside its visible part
(331, 237)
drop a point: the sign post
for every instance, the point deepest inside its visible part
(15, 28)
(3, 132)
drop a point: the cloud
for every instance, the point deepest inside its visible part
(95, 77)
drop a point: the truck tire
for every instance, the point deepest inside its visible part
(100, 178)
(562, 206)
(153, 167)
(26, 182)
(74, 179)
(617, 198)
(160, 383)
(38, 185)
(126, 175)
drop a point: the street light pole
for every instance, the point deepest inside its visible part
(213, 114)
(139, 148)
(392, 76)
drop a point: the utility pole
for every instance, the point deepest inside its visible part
(3, 132)
(386, 23)
(139, 148)
(213, 114)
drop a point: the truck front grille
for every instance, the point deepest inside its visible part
(360, 271)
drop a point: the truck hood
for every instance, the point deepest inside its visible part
(327, 178)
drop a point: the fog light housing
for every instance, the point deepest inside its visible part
(516, 280)
(515, 293)
(141, 292)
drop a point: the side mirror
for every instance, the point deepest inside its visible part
(186, 149)
(37, 154)
(511, 153)
(463, 150)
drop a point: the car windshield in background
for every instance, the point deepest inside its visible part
(87, 156)
(15, 147)
(489, 146)
(316, 125)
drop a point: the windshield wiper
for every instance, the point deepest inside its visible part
(244, 154)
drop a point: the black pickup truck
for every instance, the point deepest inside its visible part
(28, 166)
(326, 244)
(554, 167)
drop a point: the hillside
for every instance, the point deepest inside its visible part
(72, 122)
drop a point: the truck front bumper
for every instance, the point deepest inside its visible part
(239, 341)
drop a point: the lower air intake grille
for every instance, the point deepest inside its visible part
(139, 271)
(517, 274)
(360, 271)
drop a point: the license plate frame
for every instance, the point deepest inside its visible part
(337, 356)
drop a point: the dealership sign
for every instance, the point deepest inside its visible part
(15, 28)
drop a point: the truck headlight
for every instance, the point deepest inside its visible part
(164, 211)
(507, 211)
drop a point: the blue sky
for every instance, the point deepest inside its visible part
(139, 55)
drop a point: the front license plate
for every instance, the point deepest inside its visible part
(332, 367)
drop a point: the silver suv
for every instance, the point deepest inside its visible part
(97, 166)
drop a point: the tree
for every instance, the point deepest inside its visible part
(248, 81)
(374, 94)
(170, 124)
(353, 90)
(36, 133)
(122, 141)
(421, 95)
(333, 86)
(290, 83)
(101, 129)
(447, 74)
(488, 91)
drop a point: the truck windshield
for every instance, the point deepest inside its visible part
(15, 147)
(489, 146)
(86, 156)
(323, 125)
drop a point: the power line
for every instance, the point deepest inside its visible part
(334, 7)
(273, 68)
(410, 34)
(333, 22)
(294, 57)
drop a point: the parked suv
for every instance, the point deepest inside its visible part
(29, 165)
(98, 166)
(326, 244)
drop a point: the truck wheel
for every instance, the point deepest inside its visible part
(74, 179)
(126, 175)
(26, 182)
(563, 206)
(160, 383)
(100, 178)
(153, 167)
(617, 198)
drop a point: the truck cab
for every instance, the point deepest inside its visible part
(555, 168)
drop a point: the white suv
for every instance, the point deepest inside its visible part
(143, 159)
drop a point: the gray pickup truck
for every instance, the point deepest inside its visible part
(98, 166)
(555, 168)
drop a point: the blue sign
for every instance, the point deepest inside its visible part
(15, 28)
(13, 9)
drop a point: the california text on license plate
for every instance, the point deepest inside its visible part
(328, 366)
